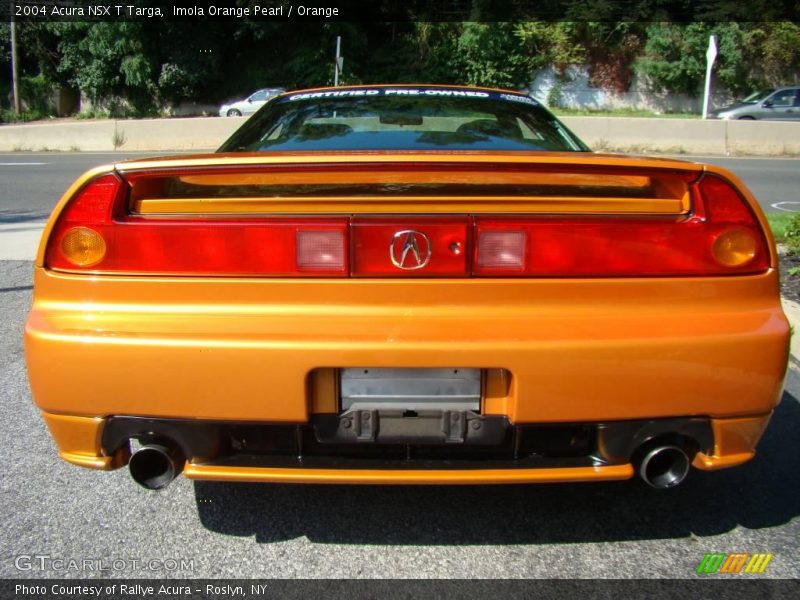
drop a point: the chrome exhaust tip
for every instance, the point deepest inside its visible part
(664, 467)
(154, 466)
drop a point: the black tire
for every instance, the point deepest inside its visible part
(234, 113)
(747, 118)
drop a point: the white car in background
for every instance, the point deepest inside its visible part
(250, 104)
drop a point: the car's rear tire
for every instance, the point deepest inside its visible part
(234, 113)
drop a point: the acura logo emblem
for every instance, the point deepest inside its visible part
(410, 250)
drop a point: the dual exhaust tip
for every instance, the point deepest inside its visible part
(154, 466)
(664, 466)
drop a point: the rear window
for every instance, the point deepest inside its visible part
(403, 119)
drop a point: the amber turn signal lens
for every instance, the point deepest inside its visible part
(83, 246)
(735, 247)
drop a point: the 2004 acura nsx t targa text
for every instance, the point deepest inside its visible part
(397, 284)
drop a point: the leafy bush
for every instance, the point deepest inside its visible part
(7, 115)
(792, 235)
(37, 95)
(36, 100)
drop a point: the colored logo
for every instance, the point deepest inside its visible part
(742, 562)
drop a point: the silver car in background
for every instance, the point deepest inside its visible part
(771, 105)
(250, 104)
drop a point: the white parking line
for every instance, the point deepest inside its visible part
(21, 164)
(779, 206)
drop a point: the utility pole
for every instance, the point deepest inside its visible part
(337, 65)
(14, 66)
(711, 56)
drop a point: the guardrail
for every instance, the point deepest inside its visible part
(620, 134)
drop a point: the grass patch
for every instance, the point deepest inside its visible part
(778, 222)
(8, 115)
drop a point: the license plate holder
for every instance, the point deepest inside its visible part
(386, 389)
(417, 406)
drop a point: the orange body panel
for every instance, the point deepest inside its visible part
(558, 350)
(78, 441)
(404, 477)
(734, 442)
(616, 349)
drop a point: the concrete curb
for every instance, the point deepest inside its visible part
(792, 311)
(20, 241)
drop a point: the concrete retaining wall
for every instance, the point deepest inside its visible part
(673, 136)
(147, 135)
(153, 135)
(572, 88)
(763, 137)
(79, 135)
(688, 136)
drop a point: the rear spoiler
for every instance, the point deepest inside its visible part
(562, 183)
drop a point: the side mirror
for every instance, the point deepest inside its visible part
(249, 100)
(767, 103)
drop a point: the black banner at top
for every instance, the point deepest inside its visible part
(289, 11)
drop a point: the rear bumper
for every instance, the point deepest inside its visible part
(265, 351)
(608, 455)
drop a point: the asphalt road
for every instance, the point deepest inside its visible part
(53, 509)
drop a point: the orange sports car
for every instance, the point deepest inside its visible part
(406, 284)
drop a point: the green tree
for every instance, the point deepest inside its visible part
(140, 67)
(774, 52)
(675, 56)
(550, 43)
(115, 59)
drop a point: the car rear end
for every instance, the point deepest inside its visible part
(379, 317)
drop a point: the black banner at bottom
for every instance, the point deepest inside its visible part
(287, 589)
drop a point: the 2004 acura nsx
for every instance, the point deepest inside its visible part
(397, 284)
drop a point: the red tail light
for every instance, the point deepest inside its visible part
(721, 237)
(88, 214)
(96, 233)
(220, 246)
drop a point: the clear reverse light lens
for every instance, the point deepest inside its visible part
(501, 250)
(320, 250)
